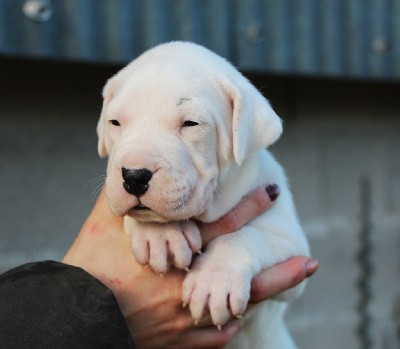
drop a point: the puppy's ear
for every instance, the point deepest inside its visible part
(254, 123)
(108, 93)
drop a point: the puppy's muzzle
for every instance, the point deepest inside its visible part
(136, 182)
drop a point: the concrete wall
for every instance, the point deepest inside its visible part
(336, 132)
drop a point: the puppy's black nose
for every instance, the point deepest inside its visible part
(136, 182)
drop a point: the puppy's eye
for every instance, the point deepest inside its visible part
(189, 123)
(115, 122)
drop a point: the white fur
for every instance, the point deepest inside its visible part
(201, 172)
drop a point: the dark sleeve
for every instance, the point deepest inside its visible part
(55, 305)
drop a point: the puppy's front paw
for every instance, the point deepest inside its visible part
(159, 244)
(223, 288)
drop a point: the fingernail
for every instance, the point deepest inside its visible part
(273, 191)
(311, 266)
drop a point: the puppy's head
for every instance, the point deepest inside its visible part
(173, 122)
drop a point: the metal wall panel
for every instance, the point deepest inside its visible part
(341, 38)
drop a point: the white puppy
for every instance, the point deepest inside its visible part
(185, 133)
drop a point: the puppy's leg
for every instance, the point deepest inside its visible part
(221, 277)
(159, 244)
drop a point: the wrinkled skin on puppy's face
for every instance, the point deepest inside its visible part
(165, 119)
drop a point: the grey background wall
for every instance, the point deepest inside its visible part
(336, 132)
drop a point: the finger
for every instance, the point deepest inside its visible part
(248, 208)
(281, 277)
(210, 337)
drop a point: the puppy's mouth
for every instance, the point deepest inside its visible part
(140, 207)
(145, 214)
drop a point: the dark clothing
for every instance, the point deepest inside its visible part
(55, 305)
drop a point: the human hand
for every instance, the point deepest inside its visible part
(152, 305)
